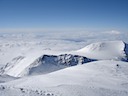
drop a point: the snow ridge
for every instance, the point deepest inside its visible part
(44, 64)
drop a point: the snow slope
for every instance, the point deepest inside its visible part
(116, 50)
(22, 66)
(6, 78)
(99, 78)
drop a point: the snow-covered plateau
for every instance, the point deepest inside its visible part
(63, 65)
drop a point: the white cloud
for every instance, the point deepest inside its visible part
(114, 32)
(41, 29)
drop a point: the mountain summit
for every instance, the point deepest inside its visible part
(114, 50)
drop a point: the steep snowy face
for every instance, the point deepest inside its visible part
(42, 65)
(116, 50)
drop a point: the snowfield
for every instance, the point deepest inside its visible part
(52, 64)
(99, 78)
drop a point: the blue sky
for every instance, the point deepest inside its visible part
(64, 14)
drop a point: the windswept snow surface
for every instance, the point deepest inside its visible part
(116, 50)
(99, 78)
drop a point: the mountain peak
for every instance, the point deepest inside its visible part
(116, 50)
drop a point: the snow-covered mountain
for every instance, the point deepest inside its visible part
(54, 73)
(116, 50)
(99, 78)
(19, 66)
(35, 64)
